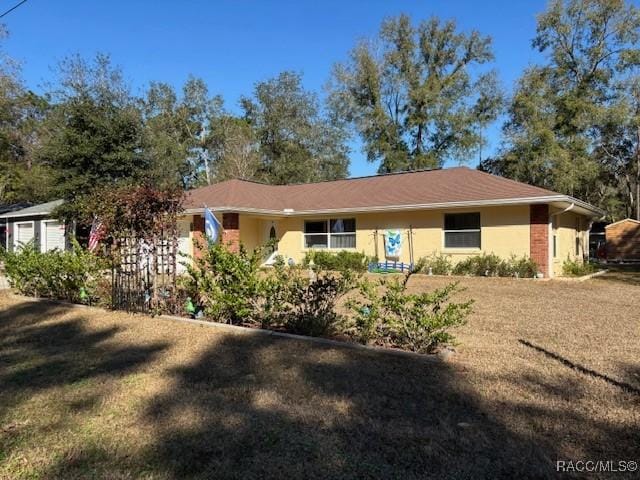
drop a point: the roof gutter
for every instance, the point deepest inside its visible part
(386, 208)
(18, 215)
(569, 208)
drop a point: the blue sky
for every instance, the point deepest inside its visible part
(233, 44)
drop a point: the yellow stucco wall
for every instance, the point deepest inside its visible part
(566, 227)
(250, 234)
(504, 231)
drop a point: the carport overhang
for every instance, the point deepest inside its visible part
(578, 206)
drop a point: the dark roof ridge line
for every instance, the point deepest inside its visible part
(362, 177)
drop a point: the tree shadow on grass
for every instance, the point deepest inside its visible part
(262, 407)
(35, 356)
(625, 386)
(267, 408)
(38, 353)
(572, 413)
(631, 374)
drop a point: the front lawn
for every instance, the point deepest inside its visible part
(545, 371)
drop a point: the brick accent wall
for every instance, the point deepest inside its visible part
(231, 231)
(198, 235)
(539, 236)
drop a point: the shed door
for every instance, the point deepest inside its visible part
(53, 236)
(24, 233)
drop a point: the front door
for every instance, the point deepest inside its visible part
(271, 238)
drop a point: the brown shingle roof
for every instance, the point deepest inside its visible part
(452, 185)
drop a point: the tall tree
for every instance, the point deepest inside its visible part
(572, 123)
(93, 134)
(202, 109)
(412, 96)
(175, 131)
(618, 152)
(22, 177)
(234, 149)
(298, 142)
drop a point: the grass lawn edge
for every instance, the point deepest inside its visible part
(240, 330)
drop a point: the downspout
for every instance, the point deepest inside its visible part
(570, 207)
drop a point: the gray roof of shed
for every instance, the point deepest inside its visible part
(12, 207)
(36, 210)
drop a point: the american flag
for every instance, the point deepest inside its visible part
(96, 234)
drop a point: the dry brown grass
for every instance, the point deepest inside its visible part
(88, 394)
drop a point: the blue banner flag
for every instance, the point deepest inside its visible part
(393, 243)
(211, 226)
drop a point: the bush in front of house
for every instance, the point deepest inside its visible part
(485, 264)
(523, 267)
(226, 285)
(64, 275)
(436, 264)
(491, 265)
(231, 288)
(298, 303)
(338, 261)
(312, 305)
(419, 322)
(575, 268)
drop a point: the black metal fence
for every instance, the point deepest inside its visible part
(143, 276)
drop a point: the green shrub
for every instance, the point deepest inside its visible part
(436, 264)
(576, 268)
(302, 303)
(491, 265)
(486, 264)
(368, 312)
(338, 261)
(230, 287)
(523, 267)
(225, 284)
(65, 275)
(419, 322)
(275, 288)
(313, 305)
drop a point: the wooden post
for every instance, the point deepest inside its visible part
(375, 243)
(411, 244)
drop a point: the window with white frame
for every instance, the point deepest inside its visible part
(335, 233)
(462, 230)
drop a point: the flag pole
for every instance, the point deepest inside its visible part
(204, 206)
